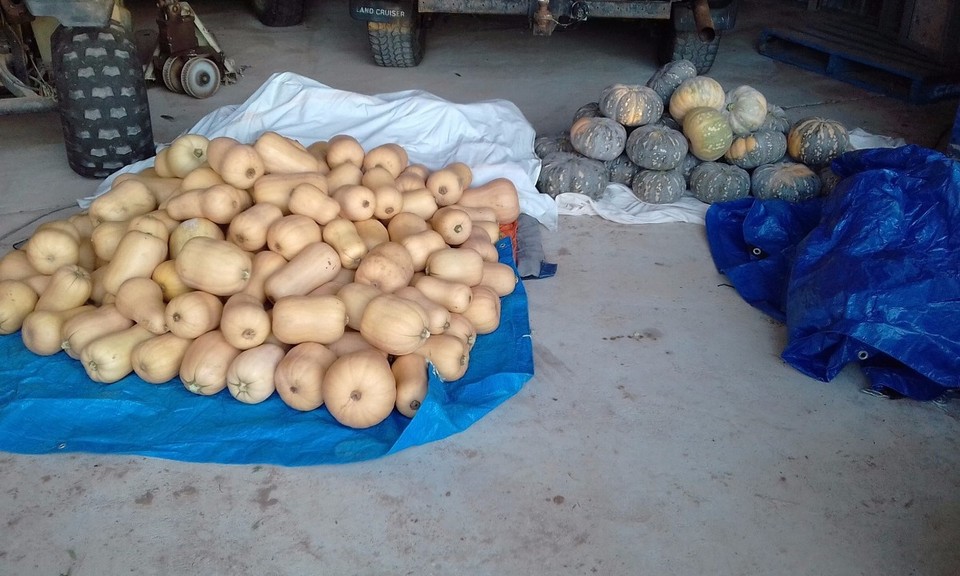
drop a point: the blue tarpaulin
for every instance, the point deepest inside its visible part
(869, 274)
(47, 404)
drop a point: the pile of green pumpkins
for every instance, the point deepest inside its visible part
(683, 131)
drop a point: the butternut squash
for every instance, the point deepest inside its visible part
(157, 360)
(219, 203)
(15, 265)
(344, 276)
(448, 354)
(157, 223)
(161, 187)
(499, 194)
(456, 264)
(344, 149)
(141, 300)
(82, 223)
(345, 174)
(464, 173)
(265, 263)
(17, 300)
(375, 177)
(491, 228)
(69, 287)
(166, 277)
(105, 238)
(444, 184)
(109, 358)
(161, 165)
(278, 188)
(298, 319)
(137, 255)
(355, 296)
(357, 202)
(453, 224)
(192, 314)
(454, 296)
(191, 229)
(438, 317)
(282, 155)
(409, 180)
(359, 390)
(214, 266)
(40, 330)
(463, 329)
(86, 257)
(50, 248)
(394, 324)
(122, 202)
(97, 292)
(237, 164)
(288, 235)
(299, 375)
(388, 201)
(484, 310)
(500, 277)
(479, 242)
(248, 229)
(421, 245)
(204, 367)
(484, 213)
(387, 266)
(186, 153)
(372, 232)
(38, 283)
(316, 264)
(342, 235)
(404, 224)
(80, 330)
(351, 341)
(391, 157)
(410, 375)
(319, 151)
(308, 200)
(419, 201)
(250, 377)
(244, 322)
(201, 177)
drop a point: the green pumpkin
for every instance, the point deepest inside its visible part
(790, 181)
(621, 169)
(687, 165)
(708, 131)
(631, 104)
(776, 119)
(588, 110)
(656, 147)
(543, 146)
(666, 79)
(745, 110)
(712, 182)
(817, 141)
(828, 180)
(752, 150)
(563, 172)
(659, 186)
(598, 138)
(667, 120)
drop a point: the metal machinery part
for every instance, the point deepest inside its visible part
(187, 55)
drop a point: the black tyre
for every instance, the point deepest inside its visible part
(102, 99)
(396, 44)
(279, 13)
(689, 46)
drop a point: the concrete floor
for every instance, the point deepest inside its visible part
(661, 434)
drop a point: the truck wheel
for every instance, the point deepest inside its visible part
(396, 44)
(689, 46)
(279, 12)
(102, 99)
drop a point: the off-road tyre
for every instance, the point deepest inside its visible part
(278, 13)
(396, 44)
(681, 45)
(102, 99)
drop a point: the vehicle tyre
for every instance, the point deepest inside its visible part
(396, 44)
(102, 99)
(279, 13)
(688, 45)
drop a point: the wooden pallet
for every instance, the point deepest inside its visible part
(859, 54)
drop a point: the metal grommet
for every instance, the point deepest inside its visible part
(863, 355)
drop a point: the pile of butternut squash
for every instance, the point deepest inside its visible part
(327, 273)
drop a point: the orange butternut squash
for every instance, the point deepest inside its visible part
(316, 264)
(410, 375)
(359, 389)
(204, 367)
(214, 266)
(299, 375)
(393, 324)
(109, 358)
(244, 322)
(298, 319)
(192, 314)
(157, 360)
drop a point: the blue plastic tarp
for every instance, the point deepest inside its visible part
(869, 274)
(47, 404)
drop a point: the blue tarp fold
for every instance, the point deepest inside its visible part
(868, 274)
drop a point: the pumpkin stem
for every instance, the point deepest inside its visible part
(356, 395)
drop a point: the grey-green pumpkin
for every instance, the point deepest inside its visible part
(817, 141)
(656, 147)
(776, 119)
(666, 79)
(621, 169)
(588, 110)
(543, 146)
(712, 182)
(786, 180)
(688, 163)
(752, 150)
(563, 172)
(598, 138)
(659, 186)
(667, 120)
(631, 104)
